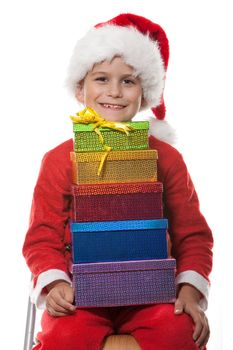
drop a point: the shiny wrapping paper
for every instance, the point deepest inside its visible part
(119, 167)
(119, 240)
(86, 140)
(117, 201)
(124, 283)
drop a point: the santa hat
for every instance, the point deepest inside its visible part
(142, 44)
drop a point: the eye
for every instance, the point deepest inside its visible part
(128, 81)
(101, 79)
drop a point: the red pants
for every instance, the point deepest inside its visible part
(155, 327)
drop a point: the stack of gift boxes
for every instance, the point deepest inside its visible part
(119, 235)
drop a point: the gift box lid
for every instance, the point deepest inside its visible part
(117, 188)
(136, 265)
(119, 225)
(113, 155)
(139, 125)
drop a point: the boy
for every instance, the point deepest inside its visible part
(119, 68)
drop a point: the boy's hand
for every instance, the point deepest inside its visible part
(60, 298)
(188, 301)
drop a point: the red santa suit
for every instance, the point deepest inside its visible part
(47, 249)
(144, 46)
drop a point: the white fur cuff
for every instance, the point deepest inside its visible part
(198, 281)
(36, 294)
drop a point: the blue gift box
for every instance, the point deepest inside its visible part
(119, 240)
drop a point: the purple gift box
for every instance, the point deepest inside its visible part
(124, 283)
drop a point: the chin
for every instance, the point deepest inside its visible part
(113, 117)
(117, 119)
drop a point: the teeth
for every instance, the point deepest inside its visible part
(112, 106)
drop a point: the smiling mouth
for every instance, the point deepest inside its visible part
(114, 107)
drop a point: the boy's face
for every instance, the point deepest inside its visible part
(112, 90)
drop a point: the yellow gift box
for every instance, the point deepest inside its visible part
(119, 167)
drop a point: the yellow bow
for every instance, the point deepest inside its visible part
(90, 116)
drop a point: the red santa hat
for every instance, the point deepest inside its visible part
(142, 44)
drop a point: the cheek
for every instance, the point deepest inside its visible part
(137, 99)
(138, 103)
(92, 92)
(135, 95)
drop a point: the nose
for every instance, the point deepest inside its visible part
(114, 90)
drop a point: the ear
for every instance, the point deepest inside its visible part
(143, 102)
(80, 92)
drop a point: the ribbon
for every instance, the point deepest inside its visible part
(90, 116)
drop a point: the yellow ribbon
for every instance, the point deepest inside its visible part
(90, 116)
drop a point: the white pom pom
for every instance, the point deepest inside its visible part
(160, 129)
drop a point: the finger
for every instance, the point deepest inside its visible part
(66, 305)
(179, 307)
(69, 295)
(197, 331)
(60, 299)
(55, 313)
(203, 337)
(205, 341)
(200, 322)
(59, 304)
(56, 307)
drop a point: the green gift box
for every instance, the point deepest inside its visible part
(87, 140)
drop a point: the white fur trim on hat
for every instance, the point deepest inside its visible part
(160, 129)
(137, 50)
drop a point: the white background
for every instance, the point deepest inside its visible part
(37, 38)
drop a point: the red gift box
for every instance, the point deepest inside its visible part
(118, 201)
